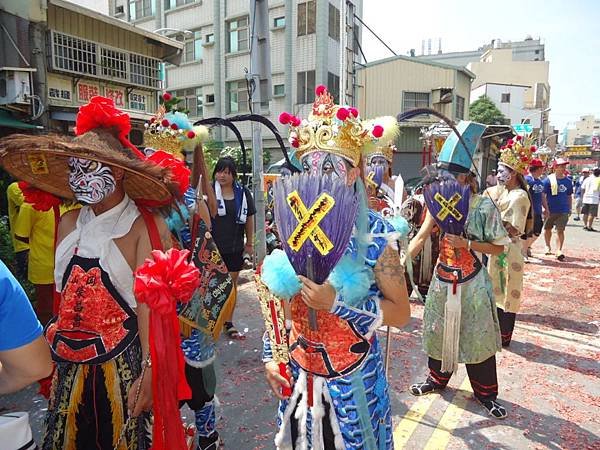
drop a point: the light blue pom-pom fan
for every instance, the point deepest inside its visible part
(352, 279)
(400, 225)
(279, 275)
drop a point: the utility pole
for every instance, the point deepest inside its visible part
(260, 71)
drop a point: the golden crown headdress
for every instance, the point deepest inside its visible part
(330, 128)
(170, 129)
(518, 153)
(384, 147)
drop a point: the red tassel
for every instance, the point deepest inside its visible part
(309, 389)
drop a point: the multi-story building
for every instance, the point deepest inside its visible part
(73, 53)
(400, 83)
(583, 131)
(527, 50)
(510, 100)
(312, 42)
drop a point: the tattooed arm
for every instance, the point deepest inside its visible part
(389, 276)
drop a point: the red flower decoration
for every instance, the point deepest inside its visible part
(510, 143)
(284, 118)
(100, 112)
(320, 90)
(180, 174)
(174, 126)
(519, 138)
(190, 134)
(152, 119)
(377, 131)
(165, 123)
(166, 279)
(533, 148)
(354, 112)
(342, 114)
(40, 200)
(524, 158)
(166, 97)
(295, 143)
(295, 121)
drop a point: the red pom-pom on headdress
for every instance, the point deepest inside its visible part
(320, 90)
(284, 118)
(100, 112)
(377, 131)
(295, 121)
(342, 114)
(353, 111)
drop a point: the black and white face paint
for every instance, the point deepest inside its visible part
(90, 181)
(504, 174)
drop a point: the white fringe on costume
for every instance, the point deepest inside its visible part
(451, 338)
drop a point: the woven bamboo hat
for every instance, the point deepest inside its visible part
(42, 161)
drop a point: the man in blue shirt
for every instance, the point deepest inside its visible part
(24, 353)
(557, 201)
(536, 190)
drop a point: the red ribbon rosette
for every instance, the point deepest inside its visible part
(40, 200)
(180, 174)
(161, 282)
(100, 112)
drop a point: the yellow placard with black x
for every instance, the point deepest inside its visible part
(448, 206)
(308, 222)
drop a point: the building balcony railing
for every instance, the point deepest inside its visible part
(87, 58)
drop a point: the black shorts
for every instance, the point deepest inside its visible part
(538, 224)
(202, 382)
(233, 261)
(589, 209)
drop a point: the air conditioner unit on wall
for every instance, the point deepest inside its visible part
(15, 85)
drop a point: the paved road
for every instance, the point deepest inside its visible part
(548, 378)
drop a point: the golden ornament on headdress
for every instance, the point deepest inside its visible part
(518, 153)
(331, 128)
(384, 147)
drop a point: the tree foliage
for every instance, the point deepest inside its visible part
(483, 110)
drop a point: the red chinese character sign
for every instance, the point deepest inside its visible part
(86, 91)
(117, 96)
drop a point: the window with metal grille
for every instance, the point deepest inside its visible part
(144, 71)
(139, 9)
(72, 54)
(334, 22)
(306, 87)
(460, 107)
(237, 35)
(333, 85)
(193, 47)
(307, 18)
(412, 100)
(82, 57)
(237, 97)
(113, 63)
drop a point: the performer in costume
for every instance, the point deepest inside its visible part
(460, 323)
(106, 380)
(339, 398)
(190, 223)
(512, 197)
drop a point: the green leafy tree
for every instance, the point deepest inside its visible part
(483, 110)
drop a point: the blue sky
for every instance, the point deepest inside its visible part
(570, 30)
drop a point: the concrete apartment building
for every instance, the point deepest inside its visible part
(312, 42)
(68, 54)
(528, 49)
(583, 131)
(397, 84)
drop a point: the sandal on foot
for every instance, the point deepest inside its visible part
(212, 442)
(424, 388)
(232, 332)
(560, 256)
(494, 409)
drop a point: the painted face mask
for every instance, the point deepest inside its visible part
(90, 181)
(504, 175)
(323, 163)
(377, 167)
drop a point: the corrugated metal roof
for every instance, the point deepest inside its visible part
(419, 61)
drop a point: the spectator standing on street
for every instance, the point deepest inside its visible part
(558, 203)
(585, 172)
(15, 199)
(491, 179)
(536, 191)
(233, 221)
(590, 193)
